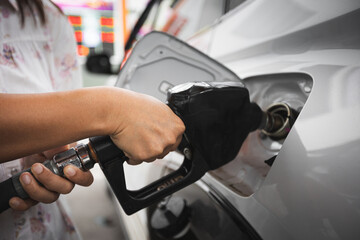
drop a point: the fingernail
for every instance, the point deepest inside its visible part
(14, 203)
(25, 179)
(37, 168)
(70, 171)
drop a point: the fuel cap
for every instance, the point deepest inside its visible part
(171, 218)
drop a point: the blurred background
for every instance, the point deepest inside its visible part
(108, 27)
(105, 31)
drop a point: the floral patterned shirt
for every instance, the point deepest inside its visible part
(34, 59)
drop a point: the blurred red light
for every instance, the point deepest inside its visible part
(78, 36)
(107, 37)
(75, 20)
(108, 22)
(82, 50)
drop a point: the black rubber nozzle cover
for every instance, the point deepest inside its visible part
(7, 191)
(106, 150)
(218, 117)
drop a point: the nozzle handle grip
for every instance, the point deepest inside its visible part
(12, 187)
(105, 150)
(111, 160)
(7, 191)
(74, 156)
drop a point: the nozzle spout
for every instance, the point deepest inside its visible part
(277, 121)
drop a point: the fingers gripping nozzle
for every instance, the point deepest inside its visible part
(77, 156)
(99, 149)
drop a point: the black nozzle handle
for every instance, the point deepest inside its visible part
(12, 187)
(55, 165)
(111, 160)
(135, 200)
(7, 191)
(103, 150)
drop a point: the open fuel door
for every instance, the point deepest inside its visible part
(160, 61)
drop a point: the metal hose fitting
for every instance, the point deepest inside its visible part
(278, 120)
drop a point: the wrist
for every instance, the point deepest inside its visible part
(101, 106)
(108, 108)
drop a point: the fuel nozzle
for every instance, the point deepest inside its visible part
(215, 114)
(277, 121)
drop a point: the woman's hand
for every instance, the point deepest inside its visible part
(143, 127)
(53, 185)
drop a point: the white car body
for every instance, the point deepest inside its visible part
(305, 53)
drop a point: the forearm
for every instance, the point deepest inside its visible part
(31, 123)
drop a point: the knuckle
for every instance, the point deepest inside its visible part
(170, 139)
(180, 125)
(35, 193)
(67, 189)
(51, 198)
(28, 203)
(60, 185)
(84, 179)
(90, 180)
(173, 147)
(139, 156)
(150, 159)
(158, 151)
(183, 127)
(159, 146)
(49, 182)
(133, 162)
(164, 154)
